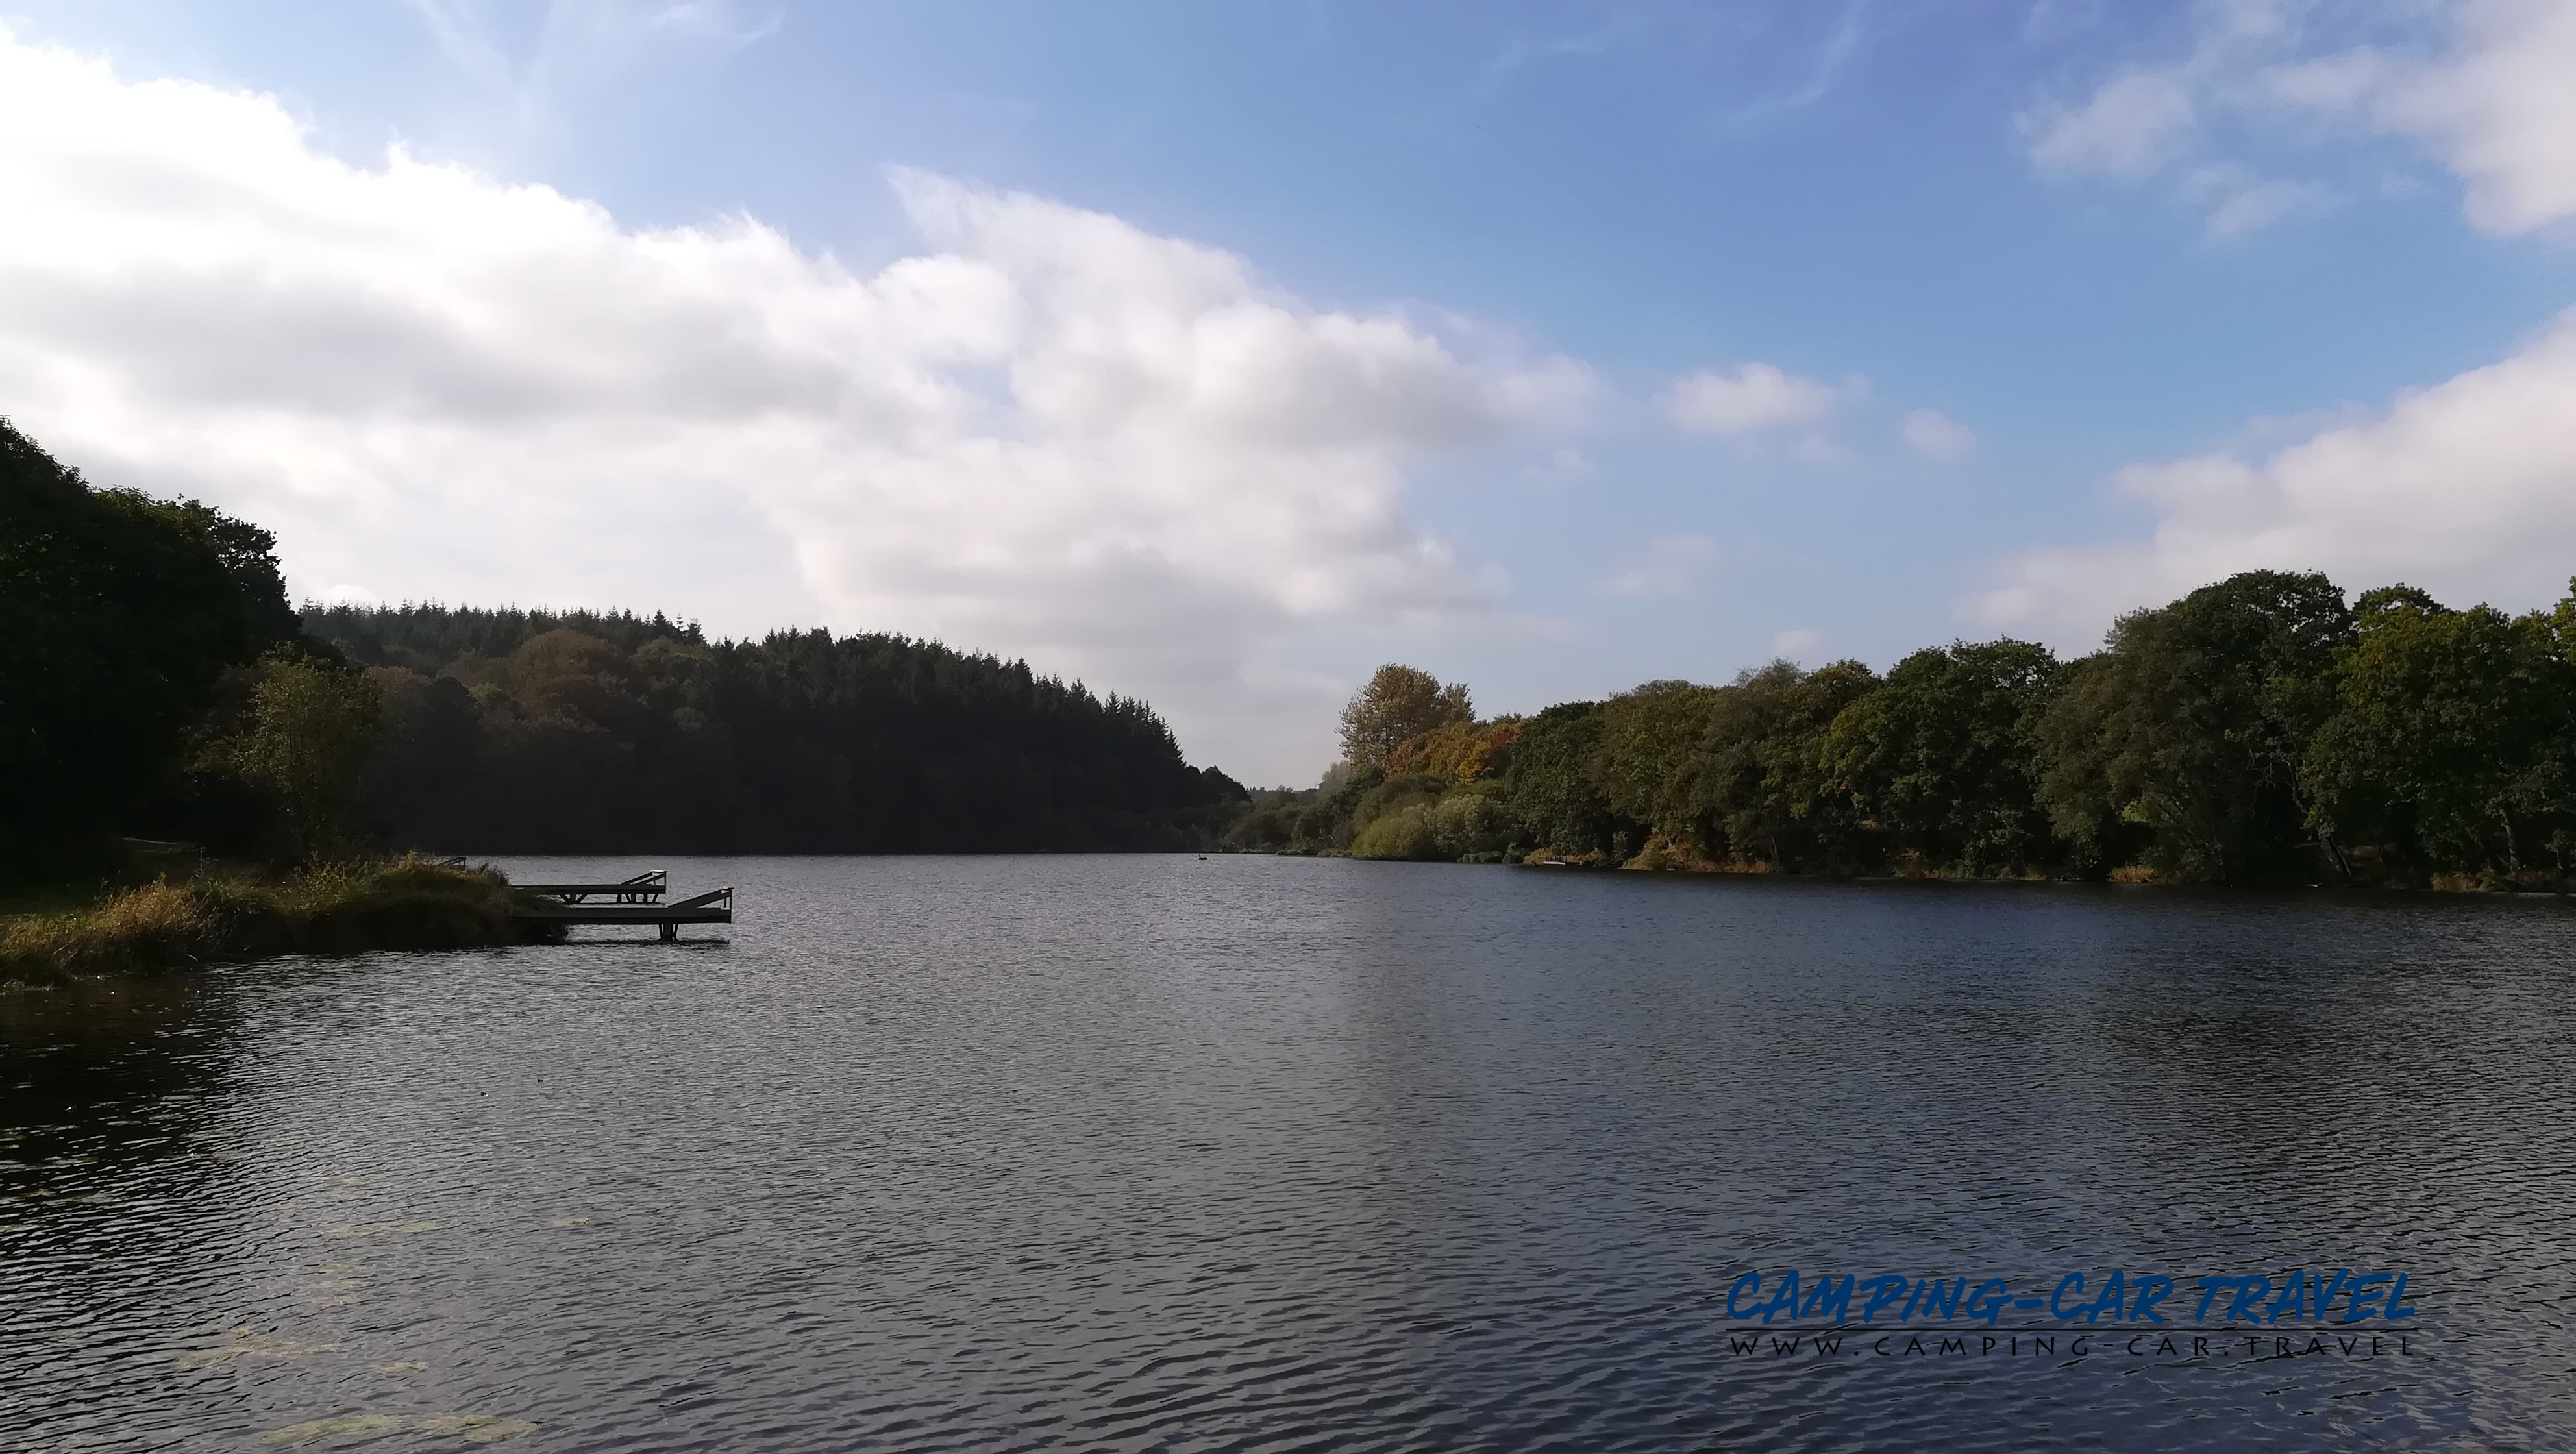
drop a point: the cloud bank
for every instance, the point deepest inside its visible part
(1052, 433)
(2467, 489)
(2486, 87)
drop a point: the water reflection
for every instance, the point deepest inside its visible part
(1234, 1154)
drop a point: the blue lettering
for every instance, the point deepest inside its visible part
(2327, 1292)
(1989, 1302)
(1831, 1299)
(2209, 1287)
(2248, 1290)
(2361, 1301)
(2151, 1291)
(2396, 1296)
(2293, 1301)
(1883, 1290)
(2115, 1291)
(1939, 1301)
(2054, 1310)
(1732, 1310)
(1782, 1302)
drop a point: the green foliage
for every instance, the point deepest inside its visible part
(2256, 730)
(1399, 703)
(2450, 747)
(1403, 833)
(119, 616)
(312, 728)
(1435, 820)
(1938, 761)
(1550, 786)
(427, 637)
(2183, 740)
(1647, 764)
(540, 736)
(1767, 792)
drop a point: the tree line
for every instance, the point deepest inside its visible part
(2264, 729)
(156, 682)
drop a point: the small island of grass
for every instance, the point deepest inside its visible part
(215, 917)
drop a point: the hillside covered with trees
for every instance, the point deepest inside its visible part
(2260, 730)
(538, 732)
(155, 682)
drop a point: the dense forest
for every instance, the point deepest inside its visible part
(155, 682)
(2260, 730)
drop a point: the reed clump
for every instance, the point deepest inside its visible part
(330, 908)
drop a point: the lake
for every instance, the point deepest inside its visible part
(1168, 1153)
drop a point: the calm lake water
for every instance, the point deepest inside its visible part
(1161, 1153)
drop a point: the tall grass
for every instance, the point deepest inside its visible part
(332, 908)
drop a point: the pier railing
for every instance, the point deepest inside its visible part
(643, 888)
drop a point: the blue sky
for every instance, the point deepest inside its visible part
(2189, 288)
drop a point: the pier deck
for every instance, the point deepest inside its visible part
(564, 904)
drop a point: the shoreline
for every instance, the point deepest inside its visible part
(166, 927)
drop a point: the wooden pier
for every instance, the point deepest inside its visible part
(636, 900)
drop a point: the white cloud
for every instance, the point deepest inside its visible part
(1052, 433)
(1934, 435)
(1756, 397)
(2499, 109)
(2131, 126)
(2487, 86)
(1670, 565)
(1797, 643)
(2467, 489)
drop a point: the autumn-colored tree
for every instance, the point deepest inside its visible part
(1400, 702)
(1466, 751)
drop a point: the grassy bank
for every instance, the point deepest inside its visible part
(338, 908)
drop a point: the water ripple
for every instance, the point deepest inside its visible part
(1279, 1155)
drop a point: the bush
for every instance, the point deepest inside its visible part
(1469, 821)
(1403, 834)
